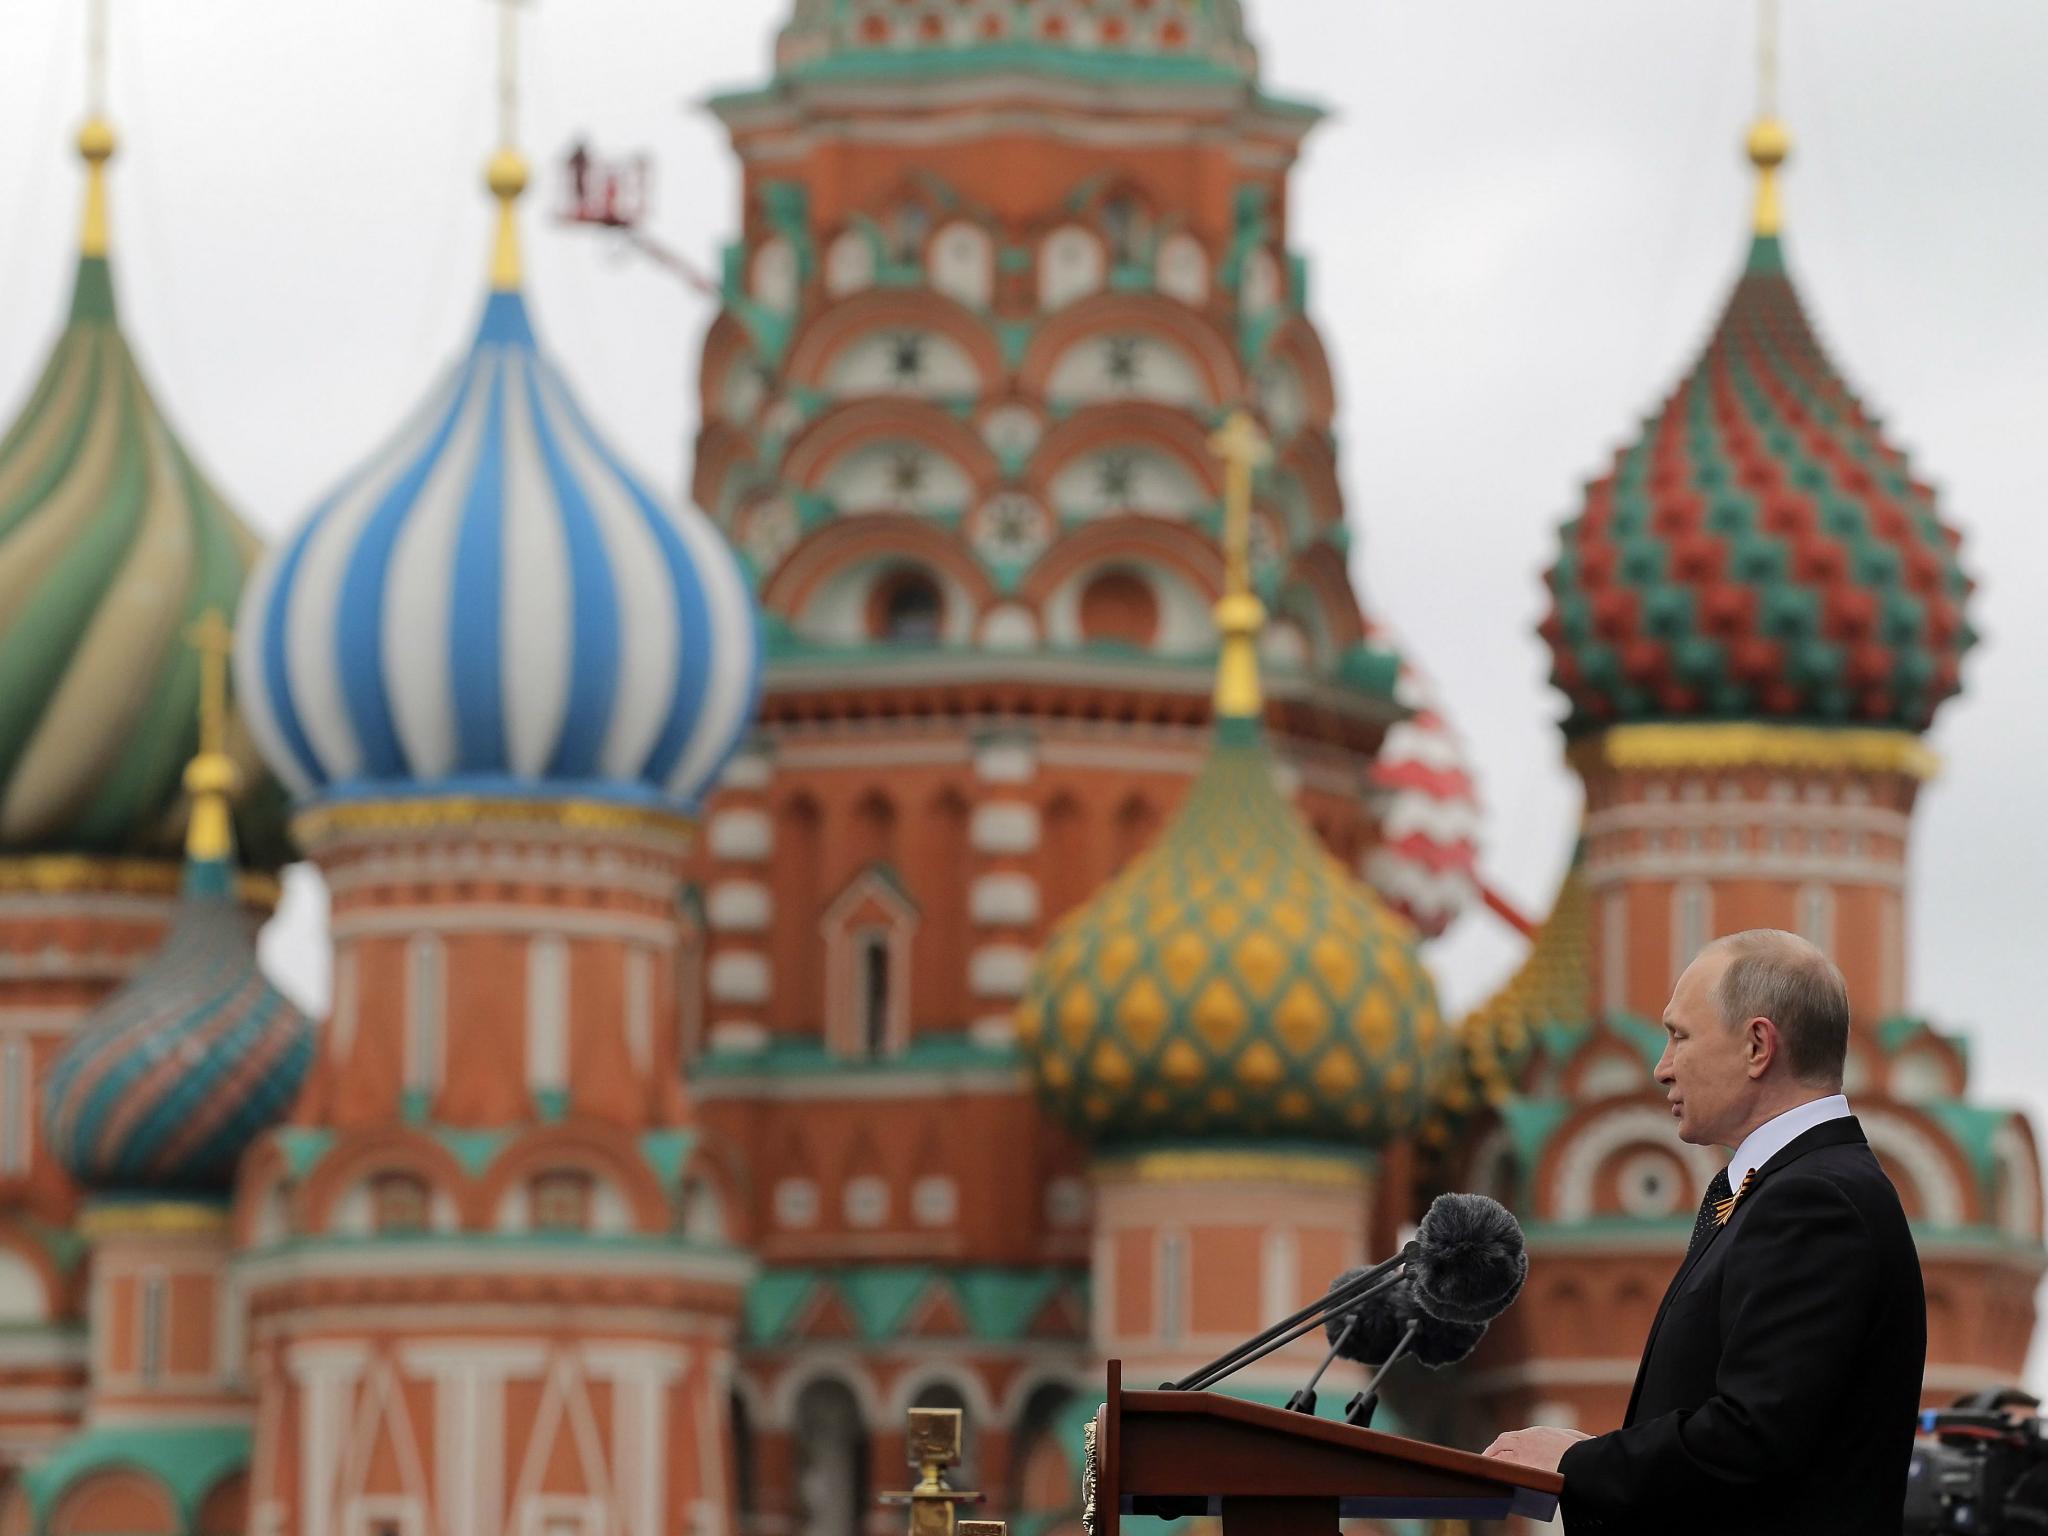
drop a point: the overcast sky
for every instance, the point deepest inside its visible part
(1520, 220)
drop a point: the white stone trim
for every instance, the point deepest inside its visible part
(739, 976)
(864, 1202)
(871, 1086)
(427, 1256)
(999, 970)
(1007, 898)
(747, 770)
(740, 1036)
(741, 834)
(994, 1031)
(1594, 1142)
(1606, 868)
(1004, 826)
(738, 906)
(547, 1014)
(403, 921)
(876, 752)
(795, 1204)
(1005, 760)
(1614, 950)
(1736, 816)
(1921, 1158)
(592, 869)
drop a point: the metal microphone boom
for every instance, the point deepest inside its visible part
(1292, 1327)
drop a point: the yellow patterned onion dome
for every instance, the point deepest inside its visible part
(112, 543)
(1234, 981)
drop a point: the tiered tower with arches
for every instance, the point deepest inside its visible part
(113, 541)
(1234, 1025)
(493, 1271)
(157, 1095)
(1756, 615)
(1002, 270)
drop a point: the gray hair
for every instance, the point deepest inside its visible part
(1779, 976)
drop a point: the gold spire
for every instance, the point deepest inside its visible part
(211, 776)
(96, 137)
(506, 173)
(1239, 614)
(1769, 143)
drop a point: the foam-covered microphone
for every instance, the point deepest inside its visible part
(1367, 1330)
(1434, 1342)
(1470, 1260)
(1430, 1341)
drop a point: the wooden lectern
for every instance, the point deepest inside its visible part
(1269, 1472)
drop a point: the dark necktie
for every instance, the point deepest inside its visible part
(1706, 1224)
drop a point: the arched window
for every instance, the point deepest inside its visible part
(1128, 231)
(547, 1015)
(1118, 607)
(426, 1011)
(1692, 922)
(908, 230)
(151, 1330)
(561, 1201)
(908, 609)
(1817, 916)
(1614, 951)
(398, 1203)
(15, 1107)
(874, 1000)
(831, 1461)
(1040, 1465)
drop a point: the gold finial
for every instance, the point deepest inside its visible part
(211, 776)
(506, 174)
(96, 140)
(1239, 614)
(933, 1447)
(1769, 143)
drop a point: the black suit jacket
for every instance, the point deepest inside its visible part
(1781, 1380)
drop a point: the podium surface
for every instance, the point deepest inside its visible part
(1270, 1472)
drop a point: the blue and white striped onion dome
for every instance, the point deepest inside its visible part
(494, 605)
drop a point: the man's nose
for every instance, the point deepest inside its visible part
(1664, 1073)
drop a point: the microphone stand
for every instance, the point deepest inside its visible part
(1359, 1410)
(1304, 1400)
(1292, 1327)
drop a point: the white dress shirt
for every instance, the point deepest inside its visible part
(1780, 1131)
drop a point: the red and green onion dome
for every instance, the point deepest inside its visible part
(113, 542)
(1761, 551)
(1235, 981)
(165, 1084)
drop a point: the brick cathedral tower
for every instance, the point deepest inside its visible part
(113, 541)
(1756, 615)
(492, 1273)
(1003, 269)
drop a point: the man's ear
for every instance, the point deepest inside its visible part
(1759, 1045)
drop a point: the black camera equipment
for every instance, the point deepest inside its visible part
(1977, 1470)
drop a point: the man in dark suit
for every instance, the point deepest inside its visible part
(1779, 1386)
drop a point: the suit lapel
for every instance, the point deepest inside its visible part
(1829, 1133)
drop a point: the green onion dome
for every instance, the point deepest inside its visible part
(1235, 981)
(112, 544)
(1761, 551)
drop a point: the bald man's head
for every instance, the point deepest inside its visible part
(1779, 976)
